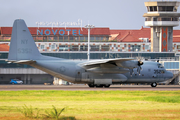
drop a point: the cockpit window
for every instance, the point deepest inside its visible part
(160, 66)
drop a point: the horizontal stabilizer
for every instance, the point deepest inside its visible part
(23, 61)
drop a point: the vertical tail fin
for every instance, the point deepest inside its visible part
(22, 46)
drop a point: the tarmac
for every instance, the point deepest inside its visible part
(85, 87)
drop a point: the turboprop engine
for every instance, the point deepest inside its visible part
(131, 65)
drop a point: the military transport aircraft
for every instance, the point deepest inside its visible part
(95, 73)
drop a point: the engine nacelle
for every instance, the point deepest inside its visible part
(130, 64)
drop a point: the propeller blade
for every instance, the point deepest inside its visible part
(131, 72)
(139, 70)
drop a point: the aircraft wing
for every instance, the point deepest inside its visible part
(111, 61)
(120, 65)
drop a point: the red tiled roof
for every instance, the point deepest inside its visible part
(6, 30)
(131, 35)
(4, 47)
(33, 30)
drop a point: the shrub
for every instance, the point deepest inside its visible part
(29, 112)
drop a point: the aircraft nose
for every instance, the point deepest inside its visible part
(169, 74)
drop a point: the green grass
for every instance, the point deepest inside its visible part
(90, 105)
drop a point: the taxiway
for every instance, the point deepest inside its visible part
(85, 87)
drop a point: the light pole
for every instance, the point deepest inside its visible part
(89, 27)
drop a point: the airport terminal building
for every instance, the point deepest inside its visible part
(105, 44)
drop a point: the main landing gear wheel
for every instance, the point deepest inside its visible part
(91, 85)
(106, 86)
(153, 84)
(99, 86)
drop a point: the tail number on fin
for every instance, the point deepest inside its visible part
(24, 50)
(24, 41)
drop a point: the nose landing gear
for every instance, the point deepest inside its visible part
(153, 84)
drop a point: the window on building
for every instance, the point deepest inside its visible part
(107, 38)
(45, 38)
(60, 39)
(76, 39)
(66, 39)
(174, 19)
(146, 46)
(52, 47)
(162, 8)
(105, 47)
(83, 48)
(50, 39)
(135, 47)
(153, 8)
(63, 48)
(98, 39)
(94, 47)
(166, 19)
(154, 19)
(92, 39)
(102, 38)
(169, 8)
(81, 39)
(171, 65)
(86, 39)
(148, 19)
(42, 46)
(166, 8)
(39, 39)
(74, 48)
(56, 39)
(71, 39)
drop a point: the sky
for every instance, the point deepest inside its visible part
(115, 14)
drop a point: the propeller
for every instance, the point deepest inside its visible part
(140, 63)
(131, 72)
(139, 69)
